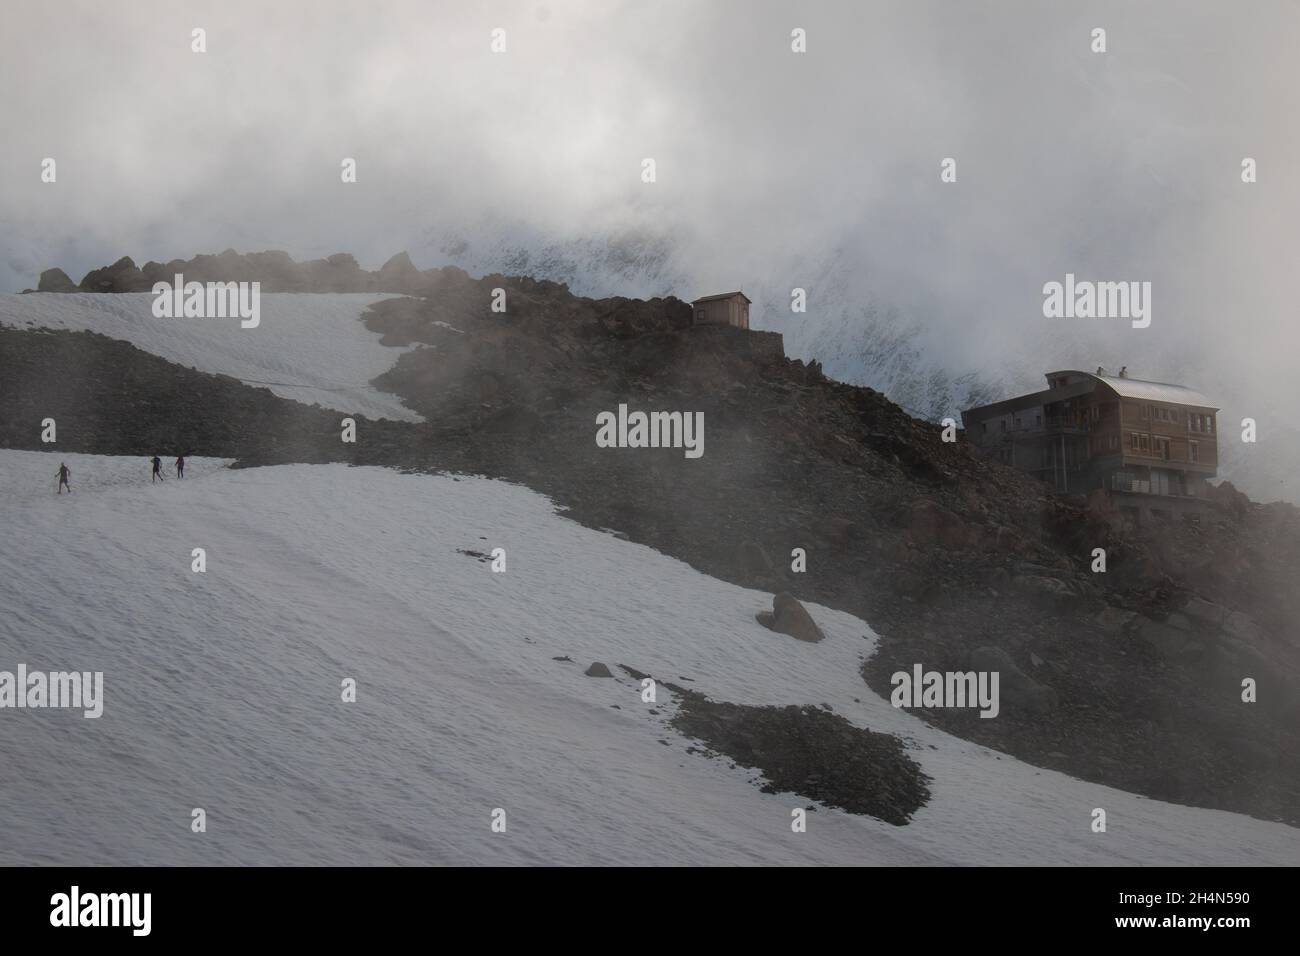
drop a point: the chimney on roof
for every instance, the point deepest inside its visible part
(1123, 372)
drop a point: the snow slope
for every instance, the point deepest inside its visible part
(222, 691)
(311, 348)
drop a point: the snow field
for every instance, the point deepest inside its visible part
(311, 348)
(222, 691)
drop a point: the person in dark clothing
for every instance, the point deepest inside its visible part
(157, 470)
(64, 474)
(180, 466)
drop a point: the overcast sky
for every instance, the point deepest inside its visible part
(1123, 165)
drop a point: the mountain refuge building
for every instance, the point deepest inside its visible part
(1151, 441)
(728, 308)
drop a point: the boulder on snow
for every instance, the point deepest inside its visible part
(597, 669)
(788, 616)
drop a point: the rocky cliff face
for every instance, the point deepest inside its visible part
(1132, 677)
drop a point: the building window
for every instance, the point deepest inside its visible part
(1133, 441)
(1144, 442)
(1194, 452)
(1209, 424)
(985, 425)
(1038, 420)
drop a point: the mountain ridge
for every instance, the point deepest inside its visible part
(944, 553)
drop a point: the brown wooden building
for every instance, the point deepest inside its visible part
(1091, 430)
(729, 308)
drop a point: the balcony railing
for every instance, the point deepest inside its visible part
(1131, 485)
(1052, 423)
(1061, 423)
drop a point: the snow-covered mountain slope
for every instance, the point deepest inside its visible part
(222, 692)
(309, 348)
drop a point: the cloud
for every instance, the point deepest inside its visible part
(772, 166)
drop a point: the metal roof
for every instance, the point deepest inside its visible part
(721, 295)
(1145, 391)
(1031, 400)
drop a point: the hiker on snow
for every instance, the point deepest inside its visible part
(180, 466)
(63, 479)
(157, 470)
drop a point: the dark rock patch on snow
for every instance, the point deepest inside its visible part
(811, 752)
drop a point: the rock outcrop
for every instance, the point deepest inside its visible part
(56, 280)
(121, 276)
